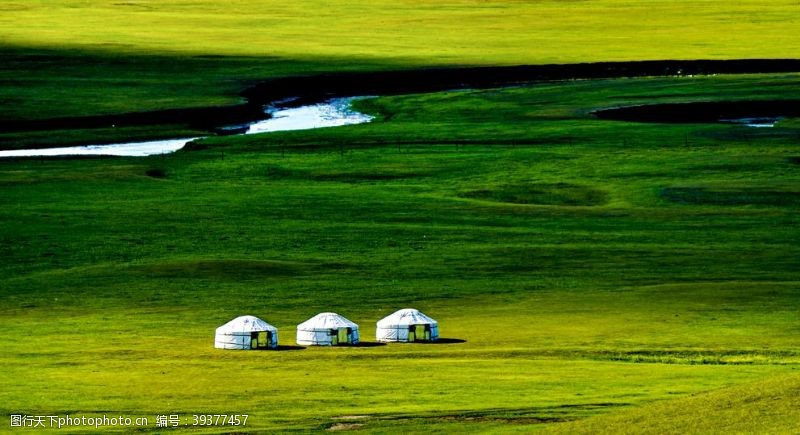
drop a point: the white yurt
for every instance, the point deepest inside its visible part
(327, 329)
(246, 332)
(407, 325)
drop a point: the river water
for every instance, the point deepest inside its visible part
(331, 113)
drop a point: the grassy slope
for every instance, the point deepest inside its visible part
(768, 406)
(114, 281)
(72, 57)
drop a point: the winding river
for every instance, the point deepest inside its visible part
(331, 113)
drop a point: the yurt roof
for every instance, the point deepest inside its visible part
(406, 316)
(245, 324)
(327, 321)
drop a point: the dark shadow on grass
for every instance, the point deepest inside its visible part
(314, 88)
(541, 194)
(156, 173)
(443, 341)
(284, 347)
(744, 196)
(365, 344)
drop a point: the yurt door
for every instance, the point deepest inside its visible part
(420, 333)
(412, 336)
(263, 339)
(344, 335)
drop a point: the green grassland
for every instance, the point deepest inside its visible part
(78, 57)
(589, 275)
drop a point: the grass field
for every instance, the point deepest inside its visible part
(589, 276)
(582, 281)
